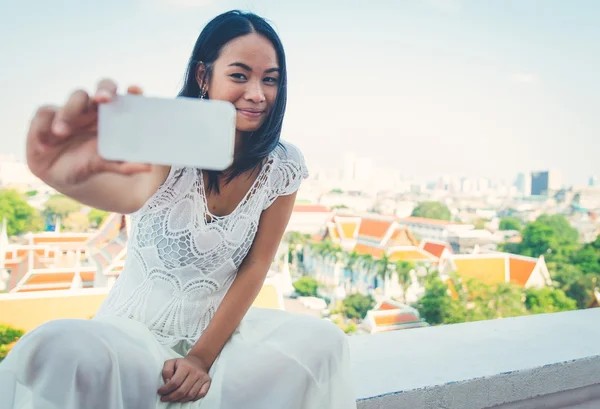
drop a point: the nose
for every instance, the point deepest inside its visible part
(255, 92)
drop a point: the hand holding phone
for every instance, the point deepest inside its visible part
(182, 131)
(62, 142)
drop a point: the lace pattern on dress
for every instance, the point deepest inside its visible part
(182, 259)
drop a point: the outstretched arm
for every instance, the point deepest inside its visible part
(248, 282)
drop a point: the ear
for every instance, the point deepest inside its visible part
(201, 77)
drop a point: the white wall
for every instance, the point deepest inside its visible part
(546, 361)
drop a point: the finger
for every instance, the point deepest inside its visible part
(204, 389)
(168, 370)
(183, 391)
(67, 117)
(105, 91)
(40, 127)
(134, 90)
(194, 391)
(125, 168)
(176, 380)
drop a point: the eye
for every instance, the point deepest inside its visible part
(271, 80)
(238, 76)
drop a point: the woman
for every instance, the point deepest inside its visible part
(177, 329)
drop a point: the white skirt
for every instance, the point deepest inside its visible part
(273, 360)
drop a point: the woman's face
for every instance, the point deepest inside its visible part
(247, 75)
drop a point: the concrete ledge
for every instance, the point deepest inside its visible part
(544, 361)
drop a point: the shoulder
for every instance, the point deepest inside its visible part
(289, 170)
(287, 151)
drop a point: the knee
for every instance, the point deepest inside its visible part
(331, 339)
(74, 343)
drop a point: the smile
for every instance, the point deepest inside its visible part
(251, 113)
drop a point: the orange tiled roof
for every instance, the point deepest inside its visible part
(395, 319)
(402, 237)
(62, 238)
(385, 306)
(487, 270)
(311, 208)
(437, 249)
(409, 254)
(423, 220)
(363, 249)
(520, 270)
(374, 228)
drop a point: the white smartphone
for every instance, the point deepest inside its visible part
(167, 131)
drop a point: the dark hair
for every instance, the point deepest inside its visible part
(218, 32)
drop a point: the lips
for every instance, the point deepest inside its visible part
(250, 112)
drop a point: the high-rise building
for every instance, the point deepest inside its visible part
(545, 182)
(523, 183)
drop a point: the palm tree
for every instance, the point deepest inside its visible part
(352, 260)
(403, 269)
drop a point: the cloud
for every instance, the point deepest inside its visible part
(524, 78)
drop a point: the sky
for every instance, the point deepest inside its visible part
(476, 88)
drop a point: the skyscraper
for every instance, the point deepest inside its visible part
(545, 182)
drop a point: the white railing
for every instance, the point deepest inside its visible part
(545, 361)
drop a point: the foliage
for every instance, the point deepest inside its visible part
(96, 216)
(480, 224)
(582, 290)
(306, 286)
(356, 306)
(510, 223)
(60, 205)
(551, 236)
(336, 191)
(20, 216)
(432, 210)
(548, 300)
(77, 222)
(437, 306)
(9, 334)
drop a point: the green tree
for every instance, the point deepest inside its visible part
(20, 216)
(548, 300)
(437, 306)
(551, 236)
(356, 306)
(561, 227)
(60, 205)
(432, 210)
(587, 259)
(8, 336)
(96, 216)
(77, 222)
(306, 286)
(492, 301)
(403, 269)
(510, 223)
(384, 267)
(480, 224)
(582, 290)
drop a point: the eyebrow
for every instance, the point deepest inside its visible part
(248, 68)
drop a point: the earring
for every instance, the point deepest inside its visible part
(202, 94)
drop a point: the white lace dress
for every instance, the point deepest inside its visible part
(181, 261)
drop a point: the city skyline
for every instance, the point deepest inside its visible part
(430, 87)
